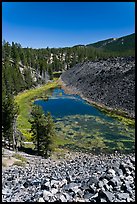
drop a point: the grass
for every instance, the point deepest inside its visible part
(28, 146)
(21, 160)
(59, 153)
(24, 101)
(20, 157)
(117, 114)
(19, 163)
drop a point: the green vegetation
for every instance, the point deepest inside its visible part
(43, 131)
(24, 101)
(19, 163)
(28, 145)
(120, 145)
(20, 157)
(92, 133)
(9, 115)
(117, 114)
(121, 46)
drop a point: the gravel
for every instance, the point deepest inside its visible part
(79, 177)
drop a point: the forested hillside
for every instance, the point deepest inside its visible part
(125, 45)
(23, 68)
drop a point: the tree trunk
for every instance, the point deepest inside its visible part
(38, 139)
(14, 135)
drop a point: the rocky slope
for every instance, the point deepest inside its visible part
(109, 82)
(75, 178)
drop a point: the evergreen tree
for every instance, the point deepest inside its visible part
(8, 77)
(6, 50)
(14, 53)
(18, 82)
(42, 128)
(50, 71)
(23, 58)
(9, 114)
(28, 78)
(47, 143)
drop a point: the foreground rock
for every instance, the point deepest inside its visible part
(77, 178)
(109, 82)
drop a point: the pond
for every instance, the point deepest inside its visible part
(81, 126)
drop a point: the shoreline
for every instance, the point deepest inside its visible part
(110, 111)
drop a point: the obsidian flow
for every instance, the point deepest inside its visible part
(110, 82)
(79, 177)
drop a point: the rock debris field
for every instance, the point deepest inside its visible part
(110, 82)
(77, 177)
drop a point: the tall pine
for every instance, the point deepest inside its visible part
(9, 114)
(43, 131)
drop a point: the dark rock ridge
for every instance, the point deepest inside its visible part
(110, 82)
(77, 178)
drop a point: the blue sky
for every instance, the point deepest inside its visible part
(61, 24)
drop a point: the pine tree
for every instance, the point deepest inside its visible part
(17, 79)
(28, 78)
(42, 128)
(50, 71)
(8, 77)
(6, 50)
(9, 114)
(23, 58)
(14, 53)
(47, 142)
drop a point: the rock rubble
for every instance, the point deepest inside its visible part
(110, 82)
(79, 177)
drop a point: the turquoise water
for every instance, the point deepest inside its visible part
(81, 125)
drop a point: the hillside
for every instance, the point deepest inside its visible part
(109, 82)
(122, 44)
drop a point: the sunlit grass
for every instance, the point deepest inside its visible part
(25, 101)
(118, 114)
